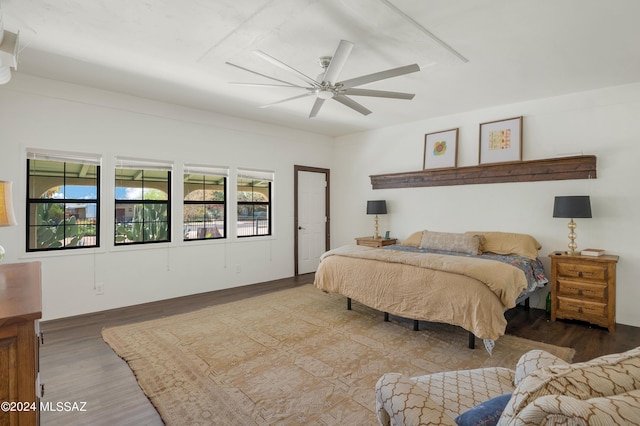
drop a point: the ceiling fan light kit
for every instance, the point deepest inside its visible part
(324, 93)
(8, 52)
(326, 85)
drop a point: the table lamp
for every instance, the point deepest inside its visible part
(7, 217)
(572, 207)
(376, 207)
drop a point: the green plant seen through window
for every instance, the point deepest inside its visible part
(149, 223)
(54, 230)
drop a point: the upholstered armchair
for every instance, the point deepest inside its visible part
(541, 390)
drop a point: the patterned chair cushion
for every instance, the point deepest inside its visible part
(623, 409)
(601, 377)
(458, 391)
(460, 243)
(408, 402)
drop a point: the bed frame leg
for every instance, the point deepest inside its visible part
(416, 325)
(348, 303)
(526, 304)
(472, 341)
(386, 316)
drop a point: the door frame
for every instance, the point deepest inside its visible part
(326, 172)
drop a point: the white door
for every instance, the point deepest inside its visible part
(311, 220)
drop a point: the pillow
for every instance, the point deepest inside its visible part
(622, 409)
(413, 240)
(509, 243)
(601, 377)
(460, 243)
(486, 414)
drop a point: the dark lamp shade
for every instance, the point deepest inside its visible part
(577, 206)
(377, 207)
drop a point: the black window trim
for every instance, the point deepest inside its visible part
(262, 175)
(65, 158)
(149, 165)
(207, 170)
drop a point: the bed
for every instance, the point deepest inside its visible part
(468, 280)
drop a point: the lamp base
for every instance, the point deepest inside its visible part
(572, 239)
(376, 235)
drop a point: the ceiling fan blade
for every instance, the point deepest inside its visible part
(337, 61)
(316, 107)
(237, 83)
(379, 93)
(260, 74)
(287, 100)
(370, 78)
(287, 68)
(351, 104)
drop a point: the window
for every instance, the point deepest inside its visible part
(63, 200)
(254, 202)
(205, 195)
(142, 201)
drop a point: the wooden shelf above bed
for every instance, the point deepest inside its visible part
(563, 168)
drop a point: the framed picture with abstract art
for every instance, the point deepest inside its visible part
(501, 141)
(440, 149)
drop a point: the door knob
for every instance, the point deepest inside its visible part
(300, 227)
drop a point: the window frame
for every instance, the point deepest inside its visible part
(66, 158)
(261, 176)
(203, 171)
(142, 165)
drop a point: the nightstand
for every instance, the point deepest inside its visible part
(584, 288)
(375, 242)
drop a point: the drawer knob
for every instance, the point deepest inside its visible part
(580, 274)
(580, 310)
(580, 293)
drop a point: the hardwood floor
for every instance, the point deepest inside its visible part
(77, 366)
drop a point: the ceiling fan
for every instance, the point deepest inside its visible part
(326, 86)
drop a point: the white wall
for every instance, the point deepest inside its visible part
(38, 113)
(603, 123)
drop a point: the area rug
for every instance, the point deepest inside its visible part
(295, 356)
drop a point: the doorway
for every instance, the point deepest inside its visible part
(311, 217)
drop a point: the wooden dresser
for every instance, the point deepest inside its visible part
(20, 311)
(584, 288)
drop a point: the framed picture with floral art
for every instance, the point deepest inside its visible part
(501, 141)
(440, 149)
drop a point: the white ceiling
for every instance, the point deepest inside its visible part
(175, 51)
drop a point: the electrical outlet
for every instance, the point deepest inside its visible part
(99, 288)
(237, 269)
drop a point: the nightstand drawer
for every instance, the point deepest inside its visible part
(580, 309)
(577, 289)
(591, 271)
